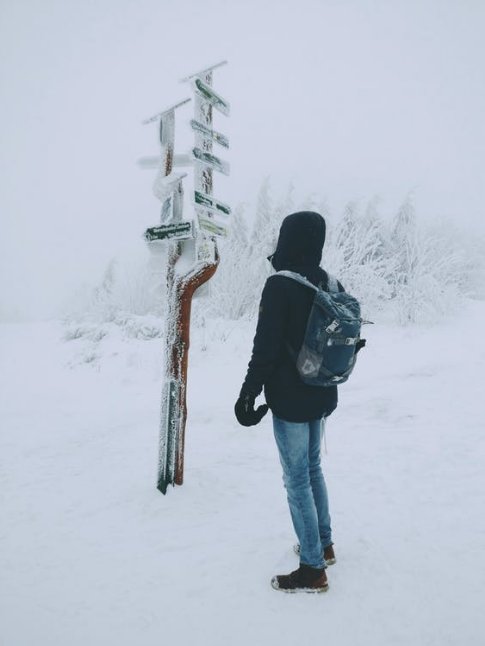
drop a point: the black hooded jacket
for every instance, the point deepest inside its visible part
(283, 314)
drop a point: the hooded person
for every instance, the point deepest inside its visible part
(298, 409)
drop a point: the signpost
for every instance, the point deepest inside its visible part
(175, 231)
(210, 203)
(218, 137)
(208, 159)
(192, 252)
(205, 91)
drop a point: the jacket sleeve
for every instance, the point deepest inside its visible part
(269, 341)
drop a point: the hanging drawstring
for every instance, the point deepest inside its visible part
(323, 435)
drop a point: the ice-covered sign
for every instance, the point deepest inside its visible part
(179, 159)
(161, 115)
(175, 231)
(211, 226)
(213, 135)
(211, 160)
(207, 93)
(217, 207)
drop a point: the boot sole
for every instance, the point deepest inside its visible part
(296, 549)
(275, 586)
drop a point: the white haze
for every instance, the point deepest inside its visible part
(347, 99)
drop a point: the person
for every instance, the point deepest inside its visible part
(298, 409)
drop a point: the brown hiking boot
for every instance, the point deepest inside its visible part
(328, 553)
(305, 579)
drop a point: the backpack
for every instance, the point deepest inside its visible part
(329, 350)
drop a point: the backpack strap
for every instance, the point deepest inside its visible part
(298, 277)
(332, 281)
(303, 281)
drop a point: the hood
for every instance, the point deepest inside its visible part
(300, 242)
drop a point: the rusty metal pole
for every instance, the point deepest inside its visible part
(188, 285)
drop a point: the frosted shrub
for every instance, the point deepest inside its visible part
(430, 272)
(356, 253)
(130, 295)
(232, 288)
(244, 268)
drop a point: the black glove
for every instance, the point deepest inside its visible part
(360, 344)
(244, 409)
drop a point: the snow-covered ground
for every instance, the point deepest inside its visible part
(92, 554)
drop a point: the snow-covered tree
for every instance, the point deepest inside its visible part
(392, 265)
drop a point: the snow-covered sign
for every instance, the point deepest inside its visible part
(211, 160)
(179, 159)
(164, 113)
(203, 72)
(217, 207)
(213, 135)
(207, 93)
(211, 226)
(175, 231)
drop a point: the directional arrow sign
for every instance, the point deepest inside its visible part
(210, 203)
(211, 226)
(211, 160)
(179, 159)
(218, 137)
(208, 94)
(175, 231)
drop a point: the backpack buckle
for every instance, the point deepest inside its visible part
(330, 329)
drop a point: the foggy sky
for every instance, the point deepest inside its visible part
(347, 99)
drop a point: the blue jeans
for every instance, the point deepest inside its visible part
(299, 449)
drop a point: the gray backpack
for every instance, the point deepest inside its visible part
(328, 353)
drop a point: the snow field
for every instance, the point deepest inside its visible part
(91, 553)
